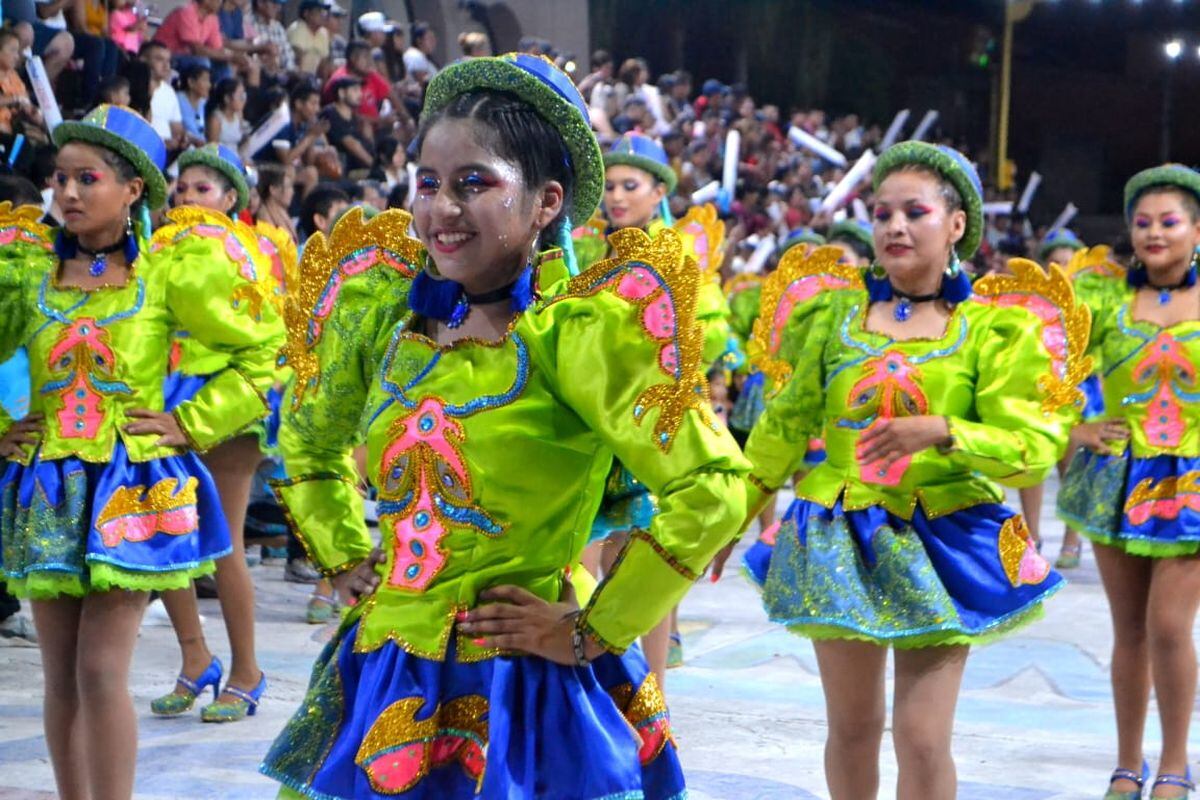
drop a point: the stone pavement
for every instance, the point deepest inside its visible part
(1034, 721)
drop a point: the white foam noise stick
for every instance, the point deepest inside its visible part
(857, 174)
(802, 138)
(893, 131)
(706, 193)
(927, 123)
(729, 173)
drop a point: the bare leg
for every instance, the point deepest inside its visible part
(927, 684)
(1174, 597)
(108, 629)
(852, 677)
(185, 618)
(591, 558)
(233, 464)
(654, 646)
(1031, 510)
(57, 623)
(58, 54)
(1127, 583)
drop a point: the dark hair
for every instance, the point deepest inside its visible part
(387, 148)
(152, 44)
(19, 190)
(302, 92)
(221, 93)
(319, 201)
(513, 130)
(356, 46)
(270, 176)
(397, 195)
(601, 58)
(1189, 201)
(111, 85)
(631, 68)
(418, 30)
(138, 73)
(190, 74)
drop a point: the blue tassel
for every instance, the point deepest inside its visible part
(435, 298)
(664, 211)
(567, 244)
(65, 246)
(131, 248)
(1136, 276)
(522, 292)
(957, 288)
(879, 290)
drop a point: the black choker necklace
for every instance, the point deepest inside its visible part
(904, 309)
(1164, 292)
(100, 256)
(494, 296)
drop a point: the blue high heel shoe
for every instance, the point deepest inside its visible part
(1128, 775)
(235, 710)
(1167, 779)
(173, 704)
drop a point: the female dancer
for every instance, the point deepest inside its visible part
(926, 395)
(103, 499)
(1132, 490)
(856, 241)
(210, 191)
(464, 667)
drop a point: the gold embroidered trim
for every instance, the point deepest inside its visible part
(797, 265)
(309, 551)
(1167, 489)
(1060, 387)
(285, 267)
(331, 261)
(758, 483)
(740, 283)
(666, 556)
(682, 352)
(182, 223)
(1097, 260)
(702, 223)
(27, 220)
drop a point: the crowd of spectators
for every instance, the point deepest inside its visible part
(218, 70)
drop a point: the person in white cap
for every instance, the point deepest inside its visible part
(375, 28)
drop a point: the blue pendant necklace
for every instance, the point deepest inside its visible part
(100, 257)
(904, 308)
(1165, 292)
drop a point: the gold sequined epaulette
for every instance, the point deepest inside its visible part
(354, 248)
(801, 276)
(24, 224)
(740, 283)
(239, 243)
(1066, 324)
(1096, 260)
(280, 249)
(707, 232)
(663, 284)
(596, 226)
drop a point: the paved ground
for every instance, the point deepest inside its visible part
(1034, 719)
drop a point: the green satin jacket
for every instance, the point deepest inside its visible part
(1003, 374)
(96, 354)
(490, 458)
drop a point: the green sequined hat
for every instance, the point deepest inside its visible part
(800, 236)
(1176, 175)
(125, 133)
(854, 229)
(637, 150)
(1062, 237)
(225, 162)
(538, 82)
(951, 165)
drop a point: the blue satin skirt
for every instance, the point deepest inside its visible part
(1093, 395)
(869, 575)
(69, 527)
(1143, 506)
(627, 505)
(387, 724)
(179, 388)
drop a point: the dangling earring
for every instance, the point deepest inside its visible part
(879, 288)
(877, 271)
(956, 285)
(955, 266)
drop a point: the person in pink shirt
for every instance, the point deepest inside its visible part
(192, 33)
(127, 25)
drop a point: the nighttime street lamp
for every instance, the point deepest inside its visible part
(1173, 49)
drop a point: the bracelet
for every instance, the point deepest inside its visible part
(577, 641)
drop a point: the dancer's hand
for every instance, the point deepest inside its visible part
(717, 567)
(895, 438)
(1095, 436)
(147, 422)
(514, 619)
(362, 581)
(23, 433)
